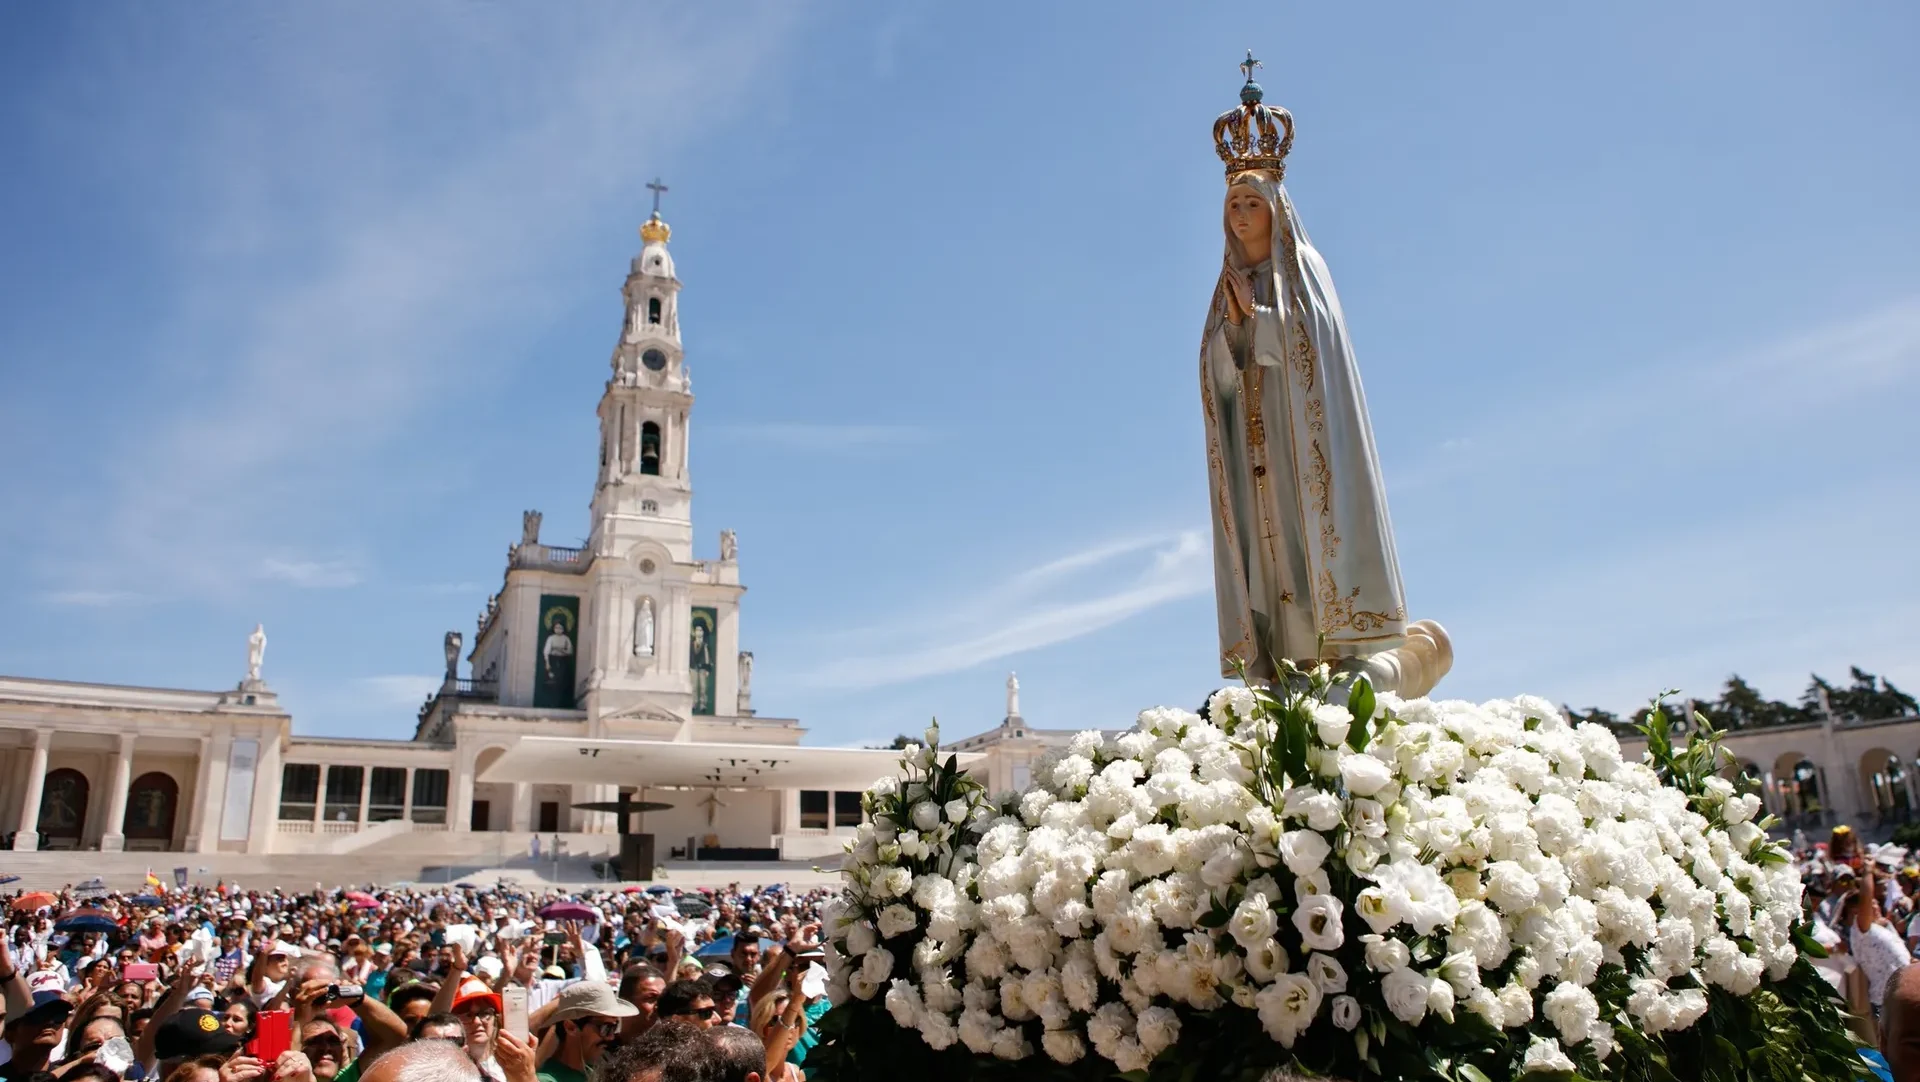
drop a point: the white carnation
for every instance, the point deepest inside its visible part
(1545, 1055)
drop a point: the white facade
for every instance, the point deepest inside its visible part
(631, 638)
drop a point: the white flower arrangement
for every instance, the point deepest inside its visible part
(1339, 867)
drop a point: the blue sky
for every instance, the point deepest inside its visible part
(302, 307)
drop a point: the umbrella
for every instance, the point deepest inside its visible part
(692, 907)
(147, 899)
(5, 879)
(33, 899)
(569, 911)
(361, 898)
(722, 947)
(659, 888)
(86, 919)
(366, 904)
(633, 888)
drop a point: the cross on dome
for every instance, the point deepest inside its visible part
(660, 189)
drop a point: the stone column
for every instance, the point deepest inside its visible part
(406, 800)
(27, 838)
(113, 832)
(197, 811)
(522, 814)
(460, 801)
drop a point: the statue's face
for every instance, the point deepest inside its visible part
(1251, 222)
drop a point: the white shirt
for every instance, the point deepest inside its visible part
(1881, 953)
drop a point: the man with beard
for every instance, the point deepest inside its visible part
(588, 1015)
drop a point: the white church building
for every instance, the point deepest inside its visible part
(596, 673)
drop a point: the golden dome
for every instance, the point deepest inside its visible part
(655, 231)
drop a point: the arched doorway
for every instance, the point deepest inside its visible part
(152, 800)
(1884, 778)
(63, 808)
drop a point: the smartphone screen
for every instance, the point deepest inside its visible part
(272, 1035)
(514, 999)
(140, 971)
(554, 939)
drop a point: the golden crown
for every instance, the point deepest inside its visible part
(1253, 135)
(655, 231)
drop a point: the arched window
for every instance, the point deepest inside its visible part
(653, 309)
(650, 448)
(63, 804)
(151, 801)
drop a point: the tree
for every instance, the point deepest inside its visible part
(900, 743)
(1868, 698)
(1741, 706)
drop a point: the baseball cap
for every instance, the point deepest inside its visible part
(475, 990)
(585, 999)
(193, 1032)
(49, 1009)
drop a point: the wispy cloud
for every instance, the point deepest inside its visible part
(93, 599)
(1803, 375)
(310, 574)
(396, 690)
(823, 437)
(1056, 601)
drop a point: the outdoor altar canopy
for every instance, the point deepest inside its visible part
(1322, 870)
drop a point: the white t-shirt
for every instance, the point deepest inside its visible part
(1881, 952)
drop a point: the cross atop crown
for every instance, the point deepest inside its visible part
(1253, 135)
(655, 231)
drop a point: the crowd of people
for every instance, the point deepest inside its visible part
(1863, 905)
(456, 983)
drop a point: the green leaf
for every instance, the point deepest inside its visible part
(1469, 1073)
(1360, 704)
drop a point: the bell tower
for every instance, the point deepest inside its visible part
(644, 489)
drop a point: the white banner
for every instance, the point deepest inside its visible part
(236, 819)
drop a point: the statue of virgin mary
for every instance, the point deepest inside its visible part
(1303, 556)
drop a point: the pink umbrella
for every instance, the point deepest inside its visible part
(569, 911)
(360, 899)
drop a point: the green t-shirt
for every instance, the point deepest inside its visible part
(555, 1071)
(349, 1073)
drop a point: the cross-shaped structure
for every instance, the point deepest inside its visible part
(660, 189)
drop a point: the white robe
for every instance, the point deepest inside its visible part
(1303, 556)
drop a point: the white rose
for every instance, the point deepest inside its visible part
(1406, 992)
(893, 883)
(877, 966)
(1327, 973)
(1364, 774)
(1440, 998)
(896, 920)
(885, 787)
(1331, 723)
(957, 810)
(1318, 919)
(1303, 850)
(1385, 955)
(861, 938)
(926, 815)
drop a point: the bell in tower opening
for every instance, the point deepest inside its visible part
(650, 448)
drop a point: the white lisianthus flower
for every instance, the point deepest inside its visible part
(1546, 1056)
(1287, 1007)
(893, 883)
(1265, 961)
(1406, 992)
(1320, 809)
(1253, 922)
(1346, 1012)
(860, 986)
(1318, 920)
(1364, 775)
(1304, 851)
(861, 938)
(957, 810)
(1377, 908)
(1327, 973)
